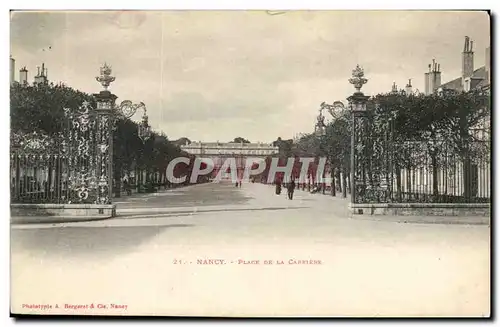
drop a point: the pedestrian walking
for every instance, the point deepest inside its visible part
(278, 187)
(291, 188)
(126, 186)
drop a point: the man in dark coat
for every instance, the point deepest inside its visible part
(126, 186)
(291, 188)
(278, 187)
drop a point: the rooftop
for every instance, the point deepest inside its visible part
(456, 84)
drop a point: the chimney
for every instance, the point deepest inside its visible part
(41, 77)
(408, 88)
(432, 78)
(487, 64)
(12, 70)
(23, 76)
(394, 88)
(467, 59)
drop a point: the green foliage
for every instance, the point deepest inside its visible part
(240, 140)
(414, 126)
(285, 147)
(437, 121)
(39, 108)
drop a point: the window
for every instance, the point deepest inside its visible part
(467, 85)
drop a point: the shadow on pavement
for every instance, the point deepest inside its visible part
(27, 220)
(209, 194)
(190, 212)
(84, 242)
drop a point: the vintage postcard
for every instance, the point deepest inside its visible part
(250, 163)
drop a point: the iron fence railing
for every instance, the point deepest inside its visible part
(40, 179)
(53, 178)
(418, 172)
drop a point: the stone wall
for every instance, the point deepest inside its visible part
(76, 211)
(422, 209)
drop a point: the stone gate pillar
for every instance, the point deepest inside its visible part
(105, 121)
(357, 105)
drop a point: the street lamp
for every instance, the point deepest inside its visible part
(320, 132)
(126, 108)
(144, 130)
(357, 105)
(336, 111)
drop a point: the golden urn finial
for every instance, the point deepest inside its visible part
(105, 78)
(358, 78)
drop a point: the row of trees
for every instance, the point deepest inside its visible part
(401, 133)
(406, 132)
(433, 131)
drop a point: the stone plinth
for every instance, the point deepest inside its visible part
(422, 209)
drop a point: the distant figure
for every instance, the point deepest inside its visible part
(240, 184)
(291, 188)
(278, 187)
(236, 184)
(315, 189)
(126, 186)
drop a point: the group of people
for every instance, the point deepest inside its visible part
(289, 186)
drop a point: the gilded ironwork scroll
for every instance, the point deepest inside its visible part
(81, 152)
(104, 157)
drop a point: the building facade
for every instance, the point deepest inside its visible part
(220, 152)
(471, 78)
(12, 70)
(228, 149)
(450, 180)
(40, 78)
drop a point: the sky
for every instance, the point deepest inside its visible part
(217, 75)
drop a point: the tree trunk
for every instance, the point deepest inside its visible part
(117, 178)
(349, 184)
(435, 188)
(57, 180)
(332, 175)
(17, 181)
(48, 186)
(467, 180)
(408, 183)
(339, 180)
(398, 183)
(138, 179)
(344, 183)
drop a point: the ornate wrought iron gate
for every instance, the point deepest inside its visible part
(76, 165)
(372, 160)
(390, 166)
(88, 147)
